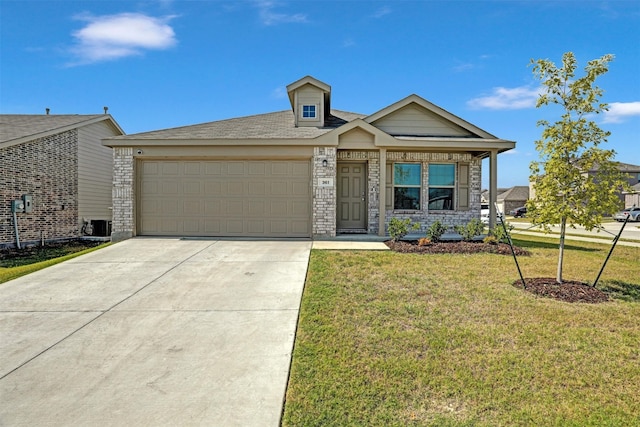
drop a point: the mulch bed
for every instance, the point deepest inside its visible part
(568, 291)
(454, 248)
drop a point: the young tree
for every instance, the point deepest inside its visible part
(576, 181)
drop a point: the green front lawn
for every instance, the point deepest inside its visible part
(388, 339)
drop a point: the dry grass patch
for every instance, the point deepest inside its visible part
(404, 339)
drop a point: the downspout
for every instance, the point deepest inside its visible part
(15, 227)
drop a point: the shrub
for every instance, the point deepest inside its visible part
(435, 231)
(398, 228)
(499, 233)
(490, 240)
(475, 227)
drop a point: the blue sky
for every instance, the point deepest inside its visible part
(161, 64)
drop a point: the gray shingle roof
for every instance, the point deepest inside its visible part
(15, 126)
(519, 192)
(278, 125)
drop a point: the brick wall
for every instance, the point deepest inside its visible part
(123, 194)
(47, 169)
(324, 198)
(425, 218)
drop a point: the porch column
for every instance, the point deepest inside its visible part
(493, 187)
(382, 203)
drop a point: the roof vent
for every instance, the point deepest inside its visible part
(106, 109)
(47, 110)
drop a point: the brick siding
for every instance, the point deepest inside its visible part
(123, 193)
(46, 169)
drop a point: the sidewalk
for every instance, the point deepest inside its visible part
(604, 241)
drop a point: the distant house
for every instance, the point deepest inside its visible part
(632, 197)
(57, 166)
(633, 178)
(310, 171)
(513, 198)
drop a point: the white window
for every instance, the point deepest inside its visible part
(309, 112)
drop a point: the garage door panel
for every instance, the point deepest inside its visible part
(299, 189)
(257, 189)
(278, 227)
(234, 188)
(256, 198)
(169, 188)
(169, 168)
(192, 187)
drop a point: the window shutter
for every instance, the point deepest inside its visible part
(388, 187)
(463, 187)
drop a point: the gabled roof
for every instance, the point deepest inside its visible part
(415, 99)
(291, 88)
(358, 123)
(278, 125)
(519, 192)
(19, 128)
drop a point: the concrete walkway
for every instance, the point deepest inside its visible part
(153, 332)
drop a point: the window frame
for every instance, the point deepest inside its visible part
(452, 187)
(394, 185)
(314, 107)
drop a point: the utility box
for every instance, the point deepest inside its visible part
(17, 206)
(101, 227)
(28, 203)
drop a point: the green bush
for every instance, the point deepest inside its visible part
(398, 228)
(499, 233)
(435, 231)
(475, 227)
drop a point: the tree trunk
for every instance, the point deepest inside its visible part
(563, 229)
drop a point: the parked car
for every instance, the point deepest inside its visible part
(632, 213)
(484, 214)
(519, 212)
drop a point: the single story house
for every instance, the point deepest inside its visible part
(55, 174)
(311, 171)
(513, 198)
(632, 198)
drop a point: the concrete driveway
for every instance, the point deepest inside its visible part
(153, 332)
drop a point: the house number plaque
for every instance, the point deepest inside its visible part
(325, 182)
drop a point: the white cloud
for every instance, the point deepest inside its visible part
(349, 42)
(619, 111)
(382, 12)
(111, 37)
(269, 17)
(279, 93)
(503, 98)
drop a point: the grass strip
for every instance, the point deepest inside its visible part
(10, 273)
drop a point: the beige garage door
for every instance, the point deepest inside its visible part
(254, 198)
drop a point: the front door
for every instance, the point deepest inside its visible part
(352, 197)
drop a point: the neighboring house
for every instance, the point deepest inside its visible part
(633, 178)
(58, 164)
(311, 171)
(513, 198)
(632, 198)
(485, 194)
